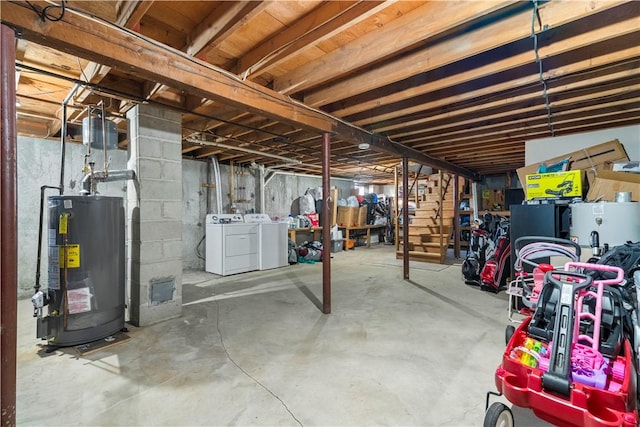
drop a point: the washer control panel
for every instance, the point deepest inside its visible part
(224, 218)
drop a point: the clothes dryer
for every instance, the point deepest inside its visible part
(273, 241)
(231, 244)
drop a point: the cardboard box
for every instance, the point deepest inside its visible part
(606, 184)
(333, 205)
(591, 159)
(362, 216)
(554, 185)
(347, 216)
(492, 199)
(633, 167)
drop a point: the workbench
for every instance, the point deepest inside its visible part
(348, 230)
(316, 231)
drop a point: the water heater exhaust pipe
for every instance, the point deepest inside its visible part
(90, 180)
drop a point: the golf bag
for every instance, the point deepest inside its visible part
(481, 247)
(495, 270)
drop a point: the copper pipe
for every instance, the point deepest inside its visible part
(326, 223)
(8, 245)
(405, 217)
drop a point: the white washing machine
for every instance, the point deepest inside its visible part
(273, 241)
(231, 244)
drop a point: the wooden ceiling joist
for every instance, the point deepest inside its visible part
(599, 50)
(455, 49)
(403, 33)
(97, 41)
(323, 22)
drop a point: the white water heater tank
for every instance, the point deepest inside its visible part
(616, 223)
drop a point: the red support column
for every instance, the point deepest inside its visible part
(405, 217)
(326, 223)
(8, 234)
(456, 217)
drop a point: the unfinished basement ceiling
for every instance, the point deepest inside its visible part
(463, 83)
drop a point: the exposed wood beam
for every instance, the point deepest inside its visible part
(129, 15)
(520, 135)
(131, 12)
(483, 109)
(97, 41)
(35, 128)
(604, 38)
(321, 23)
(402, 33)
(21, 48)
(493, 132)
(481, 127)
(212, 31)
(571, 95)
(481, 155)
(216, 27)
(455, 49)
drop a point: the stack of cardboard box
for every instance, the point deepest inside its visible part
(589, 168)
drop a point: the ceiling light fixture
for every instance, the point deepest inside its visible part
(363, 146)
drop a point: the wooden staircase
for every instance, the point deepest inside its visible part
(431, 224)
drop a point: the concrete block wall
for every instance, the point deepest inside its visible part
(154, 210)
(282, 190)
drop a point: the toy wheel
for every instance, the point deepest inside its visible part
(508, 333)
(498, 415)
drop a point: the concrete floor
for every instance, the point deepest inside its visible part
(255, 350)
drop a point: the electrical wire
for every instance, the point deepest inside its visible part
(45, 13)
(536, 14)
(82, 70)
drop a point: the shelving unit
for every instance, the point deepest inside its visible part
(463, 218)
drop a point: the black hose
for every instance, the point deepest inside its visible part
(42, 190)
(198, 254)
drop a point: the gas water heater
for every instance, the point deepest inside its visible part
(85, 297)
